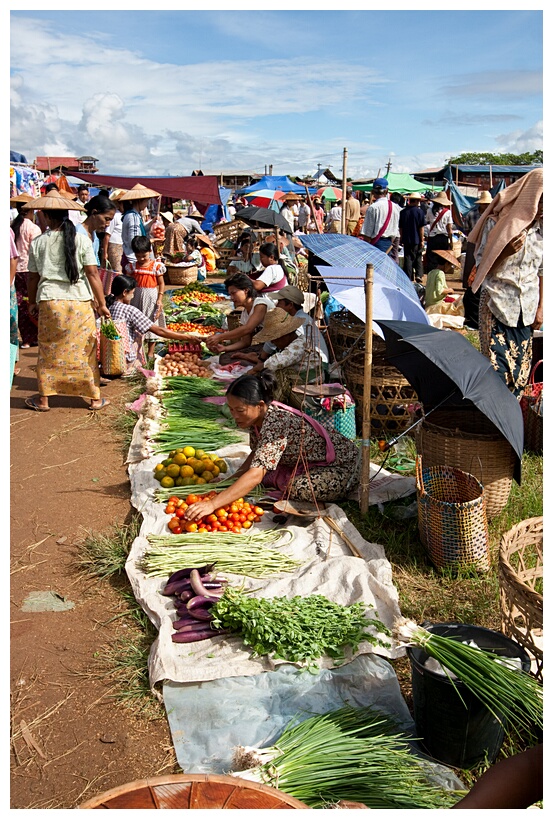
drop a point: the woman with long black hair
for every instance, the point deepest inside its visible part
(63, 286)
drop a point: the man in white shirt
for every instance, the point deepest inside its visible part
(381, 222)
(333, 221)
(303, 215)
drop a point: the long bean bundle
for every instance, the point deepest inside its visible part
(161, 495)
(509, 694)
(353, 754)
(238, 554)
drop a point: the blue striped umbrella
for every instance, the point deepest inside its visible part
(340, 250)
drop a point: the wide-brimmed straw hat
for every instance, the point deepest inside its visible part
(21, 198)
(54, 200)
(277, 323)
(484, 198)
(167, 215)
(291, 197)
(116, 194)
(448, 256)
(137, 192)
(195, 214)
(441, 199)
(414, 196)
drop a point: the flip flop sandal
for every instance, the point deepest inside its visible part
(31, 403)
(104, 403)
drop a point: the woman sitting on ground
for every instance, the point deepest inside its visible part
(273, 277)
(284, 441)
(254, 306)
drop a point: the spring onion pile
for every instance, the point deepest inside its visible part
(509, 694)
(297, 628)
(353, 754)
(193, 407)
(238, 554)
(190, 385)
(162, 495)
(178, 432)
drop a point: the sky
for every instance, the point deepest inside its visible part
(165, 92)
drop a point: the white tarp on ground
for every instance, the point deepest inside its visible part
(327, 568)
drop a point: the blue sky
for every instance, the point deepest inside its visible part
(165, 92)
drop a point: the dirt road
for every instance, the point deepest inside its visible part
(70, 739)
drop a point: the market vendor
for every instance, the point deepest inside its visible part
(286, 353)
(247, 260)
(273, 276)
(254, 307)
(290, 451)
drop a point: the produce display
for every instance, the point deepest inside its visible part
(194, 292)
(187, 312)
(188, 466)
(247, 554)
(183, 363)
(193, 591)
(190, 327)
(297, 628)
(235, 517)
(163, 495)
(351, 754)
(511, 695)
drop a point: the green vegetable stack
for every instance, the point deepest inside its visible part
(109, 330)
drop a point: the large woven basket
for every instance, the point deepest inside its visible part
(182, 275)
(228, 231)
(521, 587)
(467, 440)
(533, 429)
(198, 791)
(452, 518)
(347, 338)
(391, 395)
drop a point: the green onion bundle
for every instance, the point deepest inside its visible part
(509, 694)
(178, 432)
(162, 495)
(192, 385)
(238, 554)
(193, 407)
(353, 754)
(297, 628)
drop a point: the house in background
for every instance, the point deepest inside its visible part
(473, 178)
(235, 180)
(66, 164)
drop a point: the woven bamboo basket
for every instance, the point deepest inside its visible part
(520, 587)
(467, 440)
(233, 319)
(182, 275)
(194, 791)
(533, 430)
(347, 336)
(452, 518)
(391, 395)
(228, 231)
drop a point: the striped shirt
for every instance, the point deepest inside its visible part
(137, 323)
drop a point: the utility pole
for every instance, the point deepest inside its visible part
(318, 169)
(388, 166)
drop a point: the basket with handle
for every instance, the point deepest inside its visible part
(521, 587)
(182, 275)
(452, 517)
(532, 391)
(112, 351)
(533, 426)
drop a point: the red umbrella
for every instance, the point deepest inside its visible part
(264, 198)
(330, 194)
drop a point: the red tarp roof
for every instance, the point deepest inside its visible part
(45, 163)
(203, 189)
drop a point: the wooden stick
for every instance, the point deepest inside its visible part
(343, 225)
(312, 208)
(351, 546)
(366, 435)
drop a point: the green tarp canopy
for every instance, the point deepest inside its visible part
(399, 183)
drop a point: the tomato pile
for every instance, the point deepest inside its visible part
(194, 295)
(234, 517)
(190, 327)
(177, 363)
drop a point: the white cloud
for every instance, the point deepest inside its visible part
(519, 142)
(506, 84)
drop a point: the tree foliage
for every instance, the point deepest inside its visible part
(484, 158)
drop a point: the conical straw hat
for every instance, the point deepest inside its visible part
(138, 192)
(53, 200)
(22, 197)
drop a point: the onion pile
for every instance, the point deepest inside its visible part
(183, 364)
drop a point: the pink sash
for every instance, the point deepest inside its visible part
(380, 233)
(280, 477)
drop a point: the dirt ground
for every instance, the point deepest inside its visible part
(70, 739)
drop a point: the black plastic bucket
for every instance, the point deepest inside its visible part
(457, 733)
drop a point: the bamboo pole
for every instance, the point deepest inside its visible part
(311, 207)
(366, 434)
(344, 187)
(491, 178)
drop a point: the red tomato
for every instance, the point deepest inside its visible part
(247, 524)
(242, 517)
(258, 510)
(257, 518)
(192, 499)
(191, 527)
(251, 516)
(170, 509)
(203, 529)
(173, 499)
(179, 513)
(173, 523)
(211, 519)
(236, 530)
(223, 528)
(216, 526)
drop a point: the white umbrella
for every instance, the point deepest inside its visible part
(346, 284)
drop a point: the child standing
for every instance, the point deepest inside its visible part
(148, 295)
(194, 257)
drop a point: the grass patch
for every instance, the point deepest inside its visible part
(104, 555)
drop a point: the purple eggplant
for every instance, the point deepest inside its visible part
(201, 614)
(185, 625)
(200, 601)
(186, 595)
(191, 636)
(198, 586)
(182, 574)
(176, 587)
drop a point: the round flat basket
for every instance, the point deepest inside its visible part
(467, 440)
(191, 791)
(182, 275)
(521, 587)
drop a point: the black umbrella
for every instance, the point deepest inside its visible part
(444, 368)
(263, 216)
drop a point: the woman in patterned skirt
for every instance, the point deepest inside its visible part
(291, 452)
(63, 286)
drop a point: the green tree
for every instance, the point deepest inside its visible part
(485, 158)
